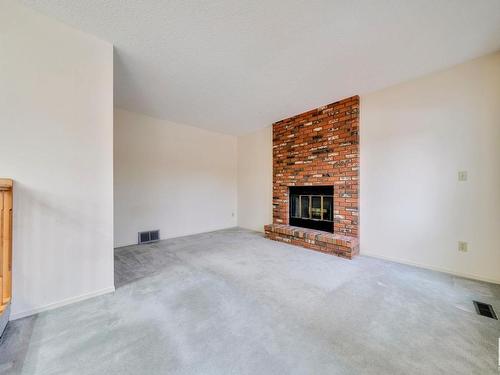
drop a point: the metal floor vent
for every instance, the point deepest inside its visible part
(149, 236)
(485, 310)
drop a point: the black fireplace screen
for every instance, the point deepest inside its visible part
(311, 207)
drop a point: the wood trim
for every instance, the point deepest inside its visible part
(6, 203)
(6, 184)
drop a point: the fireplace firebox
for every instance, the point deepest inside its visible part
(311, 207)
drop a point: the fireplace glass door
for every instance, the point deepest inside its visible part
(312, 207)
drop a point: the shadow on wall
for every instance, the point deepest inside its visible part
(51, 236)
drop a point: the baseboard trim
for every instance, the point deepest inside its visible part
(162, 238)
(64, 302)
(432, 268)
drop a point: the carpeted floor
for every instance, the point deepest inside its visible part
(232, 302)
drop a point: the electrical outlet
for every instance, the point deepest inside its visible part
(462, 246)
(462, 176)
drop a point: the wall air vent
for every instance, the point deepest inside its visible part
(149, 236)
(485, 310)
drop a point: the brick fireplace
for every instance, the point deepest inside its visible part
(317, 151)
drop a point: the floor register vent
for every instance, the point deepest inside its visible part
(149, 236)
(485, 310)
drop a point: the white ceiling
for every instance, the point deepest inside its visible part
(236, 66)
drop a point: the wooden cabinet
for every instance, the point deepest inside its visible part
(6, 194)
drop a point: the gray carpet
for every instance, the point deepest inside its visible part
(232, 302)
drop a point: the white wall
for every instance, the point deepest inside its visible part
(176, 178)
(56, 142)
(255, 179)
(415, 137)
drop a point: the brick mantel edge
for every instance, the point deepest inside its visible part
(319, 147)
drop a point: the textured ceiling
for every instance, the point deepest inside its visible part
(236, 66)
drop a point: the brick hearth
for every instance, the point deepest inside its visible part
(330, 243)
(318, 148)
